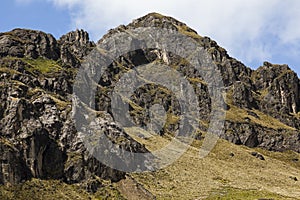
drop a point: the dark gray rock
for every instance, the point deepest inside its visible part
(258, 155)
(281, 88)
(29, 43)
(74, 46)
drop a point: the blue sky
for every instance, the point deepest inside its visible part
(251, 31)
(39, 15)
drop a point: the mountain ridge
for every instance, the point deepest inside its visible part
(37, 74)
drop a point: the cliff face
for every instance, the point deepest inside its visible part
(37, 134)
(262, 105)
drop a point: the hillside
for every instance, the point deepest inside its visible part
(44, 156)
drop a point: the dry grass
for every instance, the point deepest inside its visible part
(197, 80)
(270, 122)
(59, 103)
(46, 190)
(36, 189)
(8, 70)
(237, 114)
(237, 176)
(297, 115)
(234, 193)
(186, 31)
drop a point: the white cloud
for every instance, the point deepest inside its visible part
(290, 14)
(247, 29)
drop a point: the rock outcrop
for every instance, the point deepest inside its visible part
(28, 43)
(262, 104)
(38, 138)
(279, 87)
(74, 46)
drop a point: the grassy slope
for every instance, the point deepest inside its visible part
(38, 189)
(53, 190)
(221, 175)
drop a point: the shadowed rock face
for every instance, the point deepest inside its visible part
(38, 137)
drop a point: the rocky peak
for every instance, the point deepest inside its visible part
(77, 42)
(28, 43)
(266, 74)
(280, 86)
(160, 21)
(79, 36)
(231, 69)
(74, 46)
(154, 20)
(38, 137)
(244, 94)
(70, 48)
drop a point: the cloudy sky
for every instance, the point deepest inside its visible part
(251, 31)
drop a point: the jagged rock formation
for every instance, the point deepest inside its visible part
(38, 137)
(262, 104)
(37, 134)
(21, 43)
(74, 46)
(279, 87)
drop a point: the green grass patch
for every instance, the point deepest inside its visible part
(42, 65)
(107, 192)
(53, 189)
